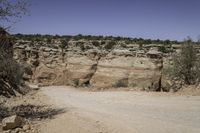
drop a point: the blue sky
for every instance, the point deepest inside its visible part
(163, 19)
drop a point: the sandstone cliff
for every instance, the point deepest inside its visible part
(92, 66)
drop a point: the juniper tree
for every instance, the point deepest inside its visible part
(64, 45)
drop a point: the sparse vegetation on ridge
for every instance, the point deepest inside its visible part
(95, 39)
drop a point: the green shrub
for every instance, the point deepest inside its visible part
(103, 42)
(96, 43)
(110, 45)
(11, 73)
(186, 65)
(121, 83)
(82, 47)
(162, 49)
(87, 47)
(123, 45)
(64, 44)
(140, 46)
(49, 40)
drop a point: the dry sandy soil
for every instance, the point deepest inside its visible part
(121, 112)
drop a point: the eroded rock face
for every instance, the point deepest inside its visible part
(122, 71)
(93, 67)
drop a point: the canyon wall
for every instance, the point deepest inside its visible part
(92, 66)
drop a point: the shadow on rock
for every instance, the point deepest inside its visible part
(4, 112)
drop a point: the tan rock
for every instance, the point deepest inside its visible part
(35, 87)
(97, 68)
(12, 122)
(26, 127)
(120, 71)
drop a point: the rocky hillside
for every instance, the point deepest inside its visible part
(87, 63)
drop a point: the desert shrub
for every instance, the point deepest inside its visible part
(96, 43)
(27, 68)
(133, 85)
(79, 43)
(103, 42)
(140, 46)
(11, 73)
(77, 37)
(128, 42)
(167, 42)
(110, 45)
(87, 47)
(52, 46)
(49, 40)
(162, 49)
(76, 82)
(82, 47)
(123, 45)
(121, 83)
(186, 65)
(38, 39)
(64, 44)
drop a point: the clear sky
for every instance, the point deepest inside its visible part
(163, 19)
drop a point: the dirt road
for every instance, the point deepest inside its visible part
(121, 112)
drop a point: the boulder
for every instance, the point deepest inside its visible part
(26, 127)
(154, 54)
(34, 87)
(12, 122)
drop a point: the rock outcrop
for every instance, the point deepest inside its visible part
(12, 122)
(127, 71)
(91, 66)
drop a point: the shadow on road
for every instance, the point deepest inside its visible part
(30, 111)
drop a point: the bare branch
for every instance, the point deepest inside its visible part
(11, 10)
